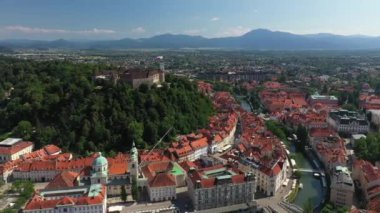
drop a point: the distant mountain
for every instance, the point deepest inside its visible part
(260, 39)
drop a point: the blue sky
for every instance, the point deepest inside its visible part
(114, 19)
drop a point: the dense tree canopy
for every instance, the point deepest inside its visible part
(58, 102)
(369, 148)
(277, 129)
(330, 208)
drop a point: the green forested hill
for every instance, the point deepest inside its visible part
(57, 102)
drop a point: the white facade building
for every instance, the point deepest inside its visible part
(14, 148)
(81, 199)
(227, 188)
(344, 121)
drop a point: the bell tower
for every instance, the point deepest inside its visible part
(134, 162)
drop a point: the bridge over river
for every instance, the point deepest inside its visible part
(309, 170)
(311, 186)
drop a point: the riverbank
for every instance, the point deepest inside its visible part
(312, 187)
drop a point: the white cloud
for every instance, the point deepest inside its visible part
(215, 19)
(234, 31)
(36, 30)
(138, 30)
(98, 31)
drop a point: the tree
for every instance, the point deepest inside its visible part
(123, 194)
(135, 131)
(297, 174)
(46, 135)
(24, 188)
(283, 77)
(302, 135)
(308, 206)
(276, 128)
(349, 107)
(330, 208)
(135, 192)
(143, 88)
(24, 130)
(56, 102)
(150, 133)
(325, 89)
(368, 148)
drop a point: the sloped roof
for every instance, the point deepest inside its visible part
(63, 180)
(162, 180)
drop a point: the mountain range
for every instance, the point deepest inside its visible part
(259, 39)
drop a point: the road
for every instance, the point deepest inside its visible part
(6, 198)
(146, 207)
(183, 201)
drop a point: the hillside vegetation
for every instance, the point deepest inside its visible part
(58, 102)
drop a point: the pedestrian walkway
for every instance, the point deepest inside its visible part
(272, 204)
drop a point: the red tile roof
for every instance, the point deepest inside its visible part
(271, 172)
(10, 150)
(374, 204)
(186, 165)
(52, 149)
(199, 144)
(38, 202)
(66, 201)
(183, 151)
(63, 180)
(154, 168)
(374, 190)
(325, 132)
(162, 180)
(41, 153)
(118, 165)
(237, 179)
(200, 176)
(154, 155)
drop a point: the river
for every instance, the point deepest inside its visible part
(312, 188)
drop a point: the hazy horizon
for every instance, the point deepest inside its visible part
(100, 39)
(104, 20)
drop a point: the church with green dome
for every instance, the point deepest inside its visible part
(99, 173)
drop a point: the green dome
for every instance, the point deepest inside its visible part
(100, 161)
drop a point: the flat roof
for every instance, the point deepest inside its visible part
(10, 141)
(65, 191)
(317, 97)
(220, 173)
(176, 170)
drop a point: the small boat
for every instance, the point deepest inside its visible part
(316, 174)
(300, 186)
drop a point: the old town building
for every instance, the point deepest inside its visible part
(218, 186)
(342, 187)
(14, 148)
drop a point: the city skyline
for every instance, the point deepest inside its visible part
(94, 20)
